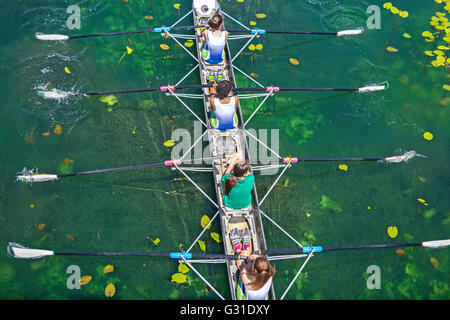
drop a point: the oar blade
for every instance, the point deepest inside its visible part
(403, 158)
(31, 178)
(350, 32)
(21, 252)
(372, 88)
(51, 37)
(436, 244)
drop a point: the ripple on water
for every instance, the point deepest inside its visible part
(44, 69)
(335, 16)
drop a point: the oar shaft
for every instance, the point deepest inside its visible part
(100, 93)
(296, 89)
(109, 34)
(137, 166)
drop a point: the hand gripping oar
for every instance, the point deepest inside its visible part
(57, 94)
(436, 244)
(34, 177)
(61, 37)
(19, 251)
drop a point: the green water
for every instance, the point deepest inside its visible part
(124, 211)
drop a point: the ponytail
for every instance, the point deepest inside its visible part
(230, 183)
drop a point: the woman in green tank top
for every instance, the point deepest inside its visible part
(239, 185)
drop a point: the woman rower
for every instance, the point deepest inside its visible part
(214, 39)
(224, 106)
(239, 186)
(255, 275)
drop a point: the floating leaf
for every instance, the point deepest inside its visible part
(391, 49)
(84, 280)
(294, 61)
(427, 34)
(404, 14)
(254, 75)
(429, 53)
(446, 87)
(109, 100)
(369, 208)
(30, 139)
(327, 203)
(261, 15)
(108, 269)
(67, 161)
(395, 10)
(189, 43)
(31, 206)
(204, 222)
(41, 226)
(156, 241)
(286, 183)
(428, 135)
(183, 268)
(253, 23)
(343, 167)
(202, 245)
(443, 48)
(58, 129)
(251, 47)
(129, 50)
(434, 262)
(169, 143)
(149, 18)
(70, 237)
(164, 46)
(45, 134)
(259, 47)
(421, 200)
(177, 6)
(240, 1)
(179, 278)
(400, 252)
(387, 5)
(67, 70)
(308, 215)
(392, 231)
(407, 35)
(216, 237)
(110, 290)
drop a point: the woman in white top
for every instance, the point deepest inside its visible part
(214, 39)
(224, 106)
(256, 276)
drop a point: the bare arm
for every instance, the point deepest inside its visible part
(234, 160)
(212, 96)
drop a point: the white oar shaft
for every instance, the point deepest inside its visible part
(37, 178)
(371, 88)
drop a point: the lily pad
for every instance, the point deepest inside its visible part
(110, 290)
(328, 204)
(179, 278)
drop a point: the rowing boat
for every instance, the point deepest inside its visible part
(225, 143)
(221, 144)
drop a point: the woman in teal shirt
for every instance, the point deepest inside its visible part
(239, 186)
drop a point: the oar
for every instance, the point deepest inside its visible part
(32, 177)
(427, 244)
(57, 94)
(61, 37)
(276, 89)
(18, 251)
(393, 159)
(264, 31)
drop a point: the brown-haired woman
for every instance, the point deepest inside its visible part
(214, 39)
(239, 186)
(255, 275)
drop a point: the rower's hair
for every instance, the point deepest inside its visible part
(241, 168)
(223, 89)
(230, 183)
(215, 22)
(260, 273)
